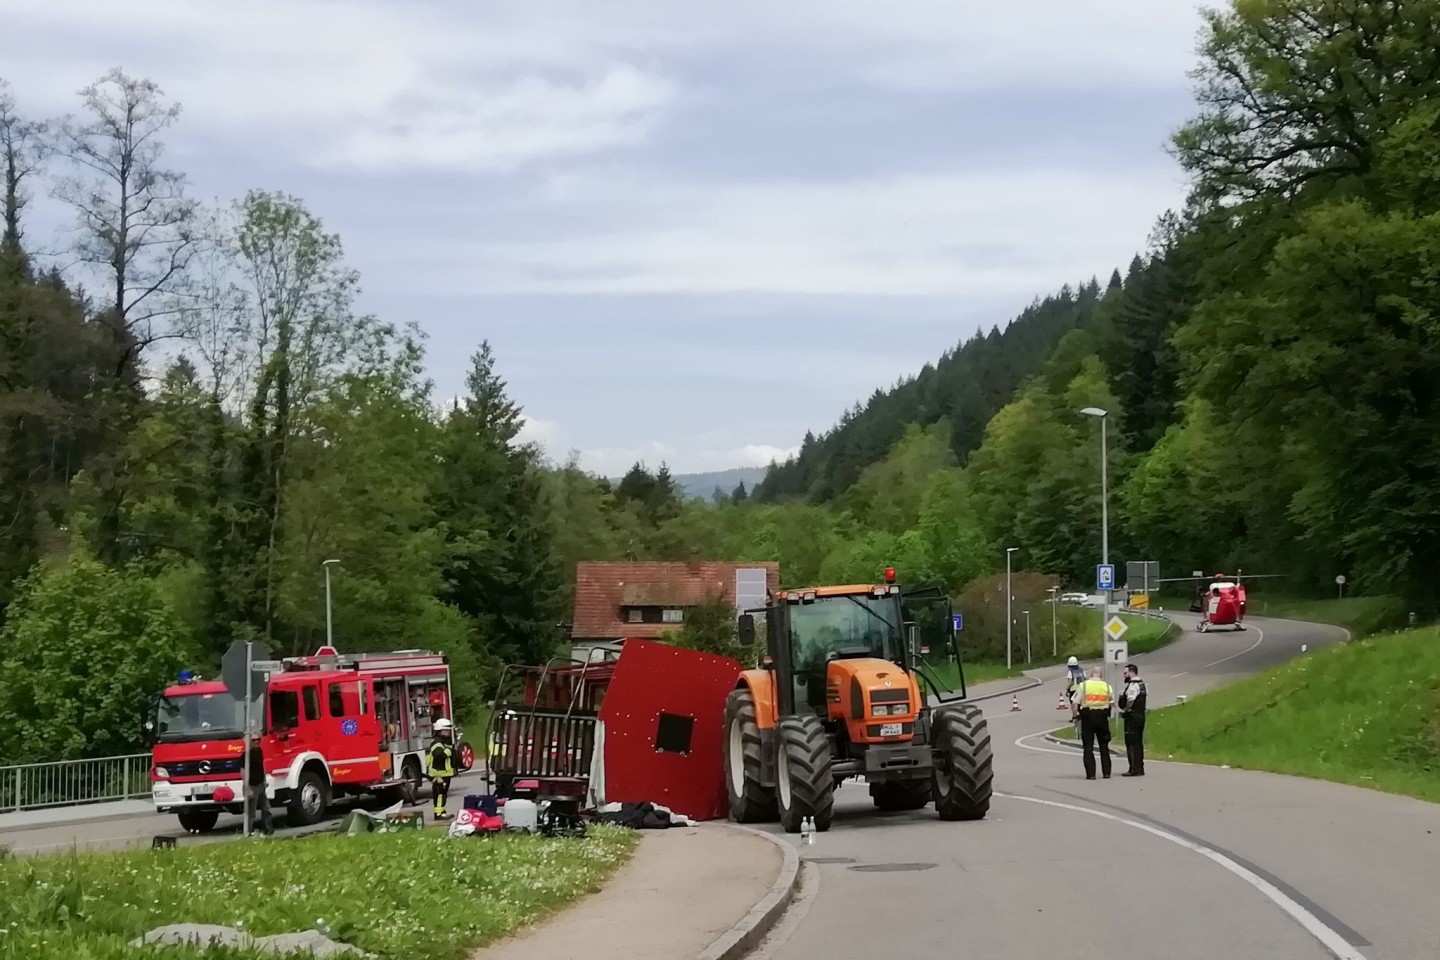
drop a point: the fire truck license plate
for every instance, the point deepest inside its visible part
(891, 729)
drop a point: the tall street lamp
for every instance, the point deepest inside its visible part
(329, 616)
(1027, 636)
(1009, 620)
(1104, 515)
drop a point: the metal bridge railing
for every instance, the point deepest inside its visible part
(66, 783)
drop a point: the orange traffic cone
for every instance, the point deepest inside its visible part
(1062, 705)
(1014, 703)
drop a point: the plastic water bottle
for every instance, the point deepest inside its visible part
(807, 831)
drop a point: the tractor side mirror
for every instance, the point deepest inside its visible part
(912, 640)
(746, 628)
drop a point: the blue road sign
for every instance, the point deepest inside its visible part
(1105, 576)
(957, 620)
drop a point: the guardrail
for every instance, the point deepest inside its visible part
(66, 783)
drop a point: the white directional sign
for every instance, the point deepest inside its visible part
(267, 666)
(1117, 652)
(1115, 628)
(1340, 580)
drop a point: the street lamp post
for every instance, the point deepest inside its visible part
(329, 616)
(1009, 620)
(1027, 636)
(1054, 602)
(1102, 416)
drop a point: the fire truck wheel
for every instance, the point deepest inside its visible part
(411, 774)
(309, 799)
(750, 800)
(198, 821)
(805, 787)
(964, 775)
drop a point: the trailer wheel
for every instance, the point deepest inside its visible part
(198, 821)
(805, 786)
(466, 755)
(309, 799)
(750, 800)
(964, 774)
(891, 795)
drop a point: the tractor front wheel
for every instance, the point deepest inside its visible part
(805, 784)
(964, 764)
(750, 800)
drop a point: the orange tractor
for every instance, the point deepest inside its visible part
(843, 692)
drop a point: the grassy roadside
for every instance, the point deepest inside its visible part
(396, 896)
(1365, 713)
(1144, 635)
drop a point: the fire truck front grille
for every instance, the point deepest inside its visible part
(205, 768)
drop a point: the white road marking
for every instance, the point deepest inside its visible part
(1258, 640)
(1180, 674)
(1020, 742)
(1312, 924)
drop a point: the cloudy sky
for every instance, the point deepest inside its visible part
(692, 231)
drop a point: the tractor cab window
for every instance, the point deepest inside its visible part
(840, 627)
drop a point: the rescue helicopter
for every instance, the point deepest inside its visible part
(1219, 598)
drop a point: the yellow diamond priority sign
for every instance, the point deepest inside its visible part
(1115, 627)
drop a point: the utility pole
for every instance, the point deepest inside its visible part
(1054, 619)
(1103, 416)
(329, 614)
(1009, 620)
(1027, 636)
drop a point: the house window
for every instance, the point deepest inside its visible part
(636, 615)
(673, 615)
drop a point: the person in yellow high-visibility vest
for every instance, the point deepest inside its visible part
(440, 766)
(1096, 700)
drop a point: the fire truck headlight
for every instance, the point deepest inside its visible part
(162, 774)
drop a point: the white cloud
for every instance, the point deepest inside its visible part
(613, 461)
(372, 86)
(984, 234)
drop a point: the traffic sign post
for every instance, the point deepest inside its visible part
(1105, 577)
(957, 622)
(1340, 582)
(237, 669)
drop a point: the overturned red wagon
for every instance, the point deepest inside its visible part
(644, 727)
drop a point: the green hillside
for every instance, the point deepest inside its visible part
(1365, 713)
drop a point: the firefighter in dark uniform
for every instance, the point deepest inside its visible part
(1132, 709)
(440, 766)
(1096, 701)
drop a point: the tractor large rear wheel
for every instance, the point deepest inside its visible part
(964, 775)
(750, 800)
(804, 782)
(893, 795)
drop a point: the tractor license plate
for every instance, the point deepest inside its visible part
(891, 729)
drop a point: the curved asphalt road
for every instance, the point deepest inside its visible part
(1188, 862)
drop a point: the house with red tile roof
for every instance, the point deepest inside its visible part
(616, 601)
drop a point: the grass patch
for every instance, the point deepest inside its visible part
(396, 896)
(1365, 713)
(1145, 634)
(1362, 616)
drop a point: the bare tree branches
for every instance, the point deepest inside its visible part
(135, 224)
(23, 148)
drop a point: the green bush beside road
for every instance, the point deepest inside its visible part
(396, 896)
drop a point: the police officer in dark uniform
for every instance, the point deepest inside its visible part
(1132, 709)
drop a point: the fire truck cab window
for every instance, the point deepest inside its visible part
(337, 700)
(284, 710)
(312, 702)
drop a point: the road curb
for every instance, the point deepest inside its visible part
(752, 928)
(1034, 682)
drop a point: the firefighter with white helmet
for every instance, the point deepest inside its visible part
(1074, 676)
(440, 765)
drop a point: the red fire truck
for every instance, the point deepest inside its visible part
(333, 725)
